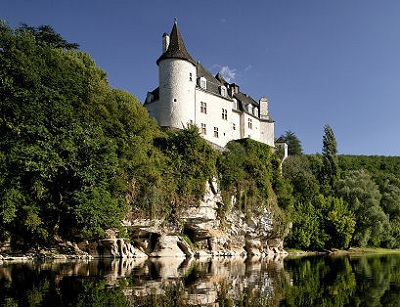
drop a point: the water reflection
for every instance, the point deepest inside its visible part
(307, 281)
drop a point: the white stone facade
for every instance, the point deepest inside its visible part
(189, 94)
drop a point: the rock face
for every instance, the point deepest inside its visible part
(201, 233)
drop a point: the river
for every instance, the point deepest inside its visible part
(350, 280)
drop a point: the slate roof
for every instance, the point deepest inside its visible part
(176, 48)
(244, 100)
(281, 140)
(213, 84)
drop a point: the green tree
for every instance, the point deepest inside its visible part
(45, 34)
(69, 143)
(363, 197)
(339, 223)
(329, 152)
(297, 170)
(307, 231)
(190, 163)
(293, 142)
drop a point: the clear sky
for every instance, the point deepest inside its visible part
(318, 62)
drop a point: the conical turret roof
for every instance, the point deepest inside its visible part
(176, 48)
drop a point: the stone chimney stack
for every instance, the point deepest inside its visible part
(165, 42)
(233, 89)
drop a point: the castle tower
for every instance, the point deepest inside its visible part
(177, 79)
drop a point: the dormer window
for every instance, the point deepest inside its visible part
(203, 82)
(235, 104)
(250, 108)
(255, 111)
(222, 90)
(149, 97)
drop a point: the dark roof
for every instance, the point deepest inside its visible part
(281, 140)
(156, 95)
(213, 84)
(245, 100)
(176, 48)
(220, 78)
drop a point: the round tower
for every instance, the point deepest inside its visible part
(177, 77)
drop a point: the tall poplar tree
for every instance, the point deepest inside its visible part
(329, 152)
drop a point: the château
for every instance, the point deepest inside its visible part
(189, 94)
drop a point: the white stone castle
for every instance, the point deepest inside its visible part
(189, 94)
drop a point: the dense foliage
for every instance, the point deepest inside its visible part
(343, 201)
(68, 141)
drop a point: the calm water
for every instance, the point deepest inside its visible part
(372, 280)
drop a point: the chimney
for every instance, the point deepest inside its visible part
(235, 88)
(165, 42)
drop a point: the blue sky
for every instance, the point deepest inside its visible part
(318, 62)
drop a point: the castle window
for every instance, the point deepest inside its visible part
(223, 91)
(203, 107)
(190, 77)
(203, 129)
(235, 104)
(224, 114)
(215, 132)
(250, 123)
(234, 126)
(203, 82)
(149, 97)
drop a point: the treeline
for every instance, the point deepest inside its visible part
(340, 200)
(77, 156)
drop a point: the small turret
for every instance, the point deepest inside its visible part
(283, 146)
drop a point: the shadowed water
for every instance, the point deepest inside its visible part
(372, 280)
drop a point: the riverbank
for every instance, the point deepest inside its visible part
(340, 252)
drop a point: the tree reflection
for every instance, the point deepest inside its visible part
(308, 281)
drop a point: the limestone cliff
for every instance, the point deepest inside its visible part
(202, 231)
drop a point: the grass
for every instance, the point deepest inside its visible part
(373, 250)
(350, 251)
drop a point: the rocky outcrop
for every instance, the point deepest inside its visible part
(201, 233)
(118, 248)
(208, 229)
